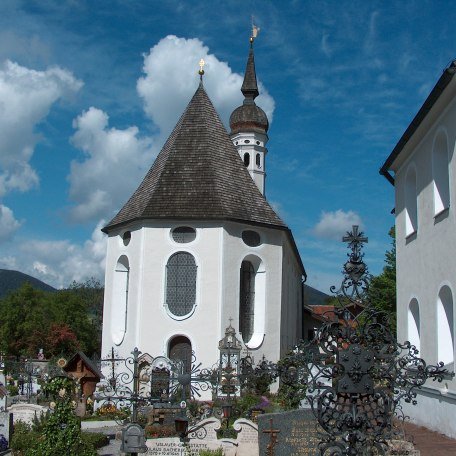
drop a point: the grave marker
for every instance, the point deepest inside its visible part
(297, 433)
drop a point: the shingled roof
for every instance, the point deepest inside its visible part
(198, 175)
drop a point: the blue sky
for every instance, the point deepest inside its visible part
(89, 91)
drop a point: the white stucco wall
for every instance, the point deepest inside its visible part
(426, 260)
(218, 251)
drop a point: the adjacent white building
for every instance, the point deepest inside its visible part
(198, 244)
(424, 170)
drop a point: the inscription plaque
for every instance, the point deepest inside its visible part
(298, 433)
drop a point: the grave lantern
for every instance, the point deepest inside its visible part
(230, 352)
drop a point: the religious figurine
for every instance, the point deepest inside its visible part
(41, 354)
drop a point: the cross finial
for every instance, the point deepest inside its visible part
(355, 240)
(201, 70)
(255, 31)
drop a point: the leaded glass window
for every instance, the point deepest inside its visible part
(181, 283)
(247, 300)
(184, 234)
(251, 238)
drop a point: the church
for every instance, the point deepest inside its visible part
(197, 247)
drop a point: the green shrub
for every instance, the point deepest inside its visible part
(218, 452)
(23, 439)
(95, 439)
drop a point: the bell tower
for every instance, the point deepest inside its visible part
(249, 125)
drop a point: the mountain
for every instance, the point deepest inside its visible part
(314, 297)
(12, 280)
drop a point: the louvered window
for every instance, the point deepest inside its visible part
(181, 283)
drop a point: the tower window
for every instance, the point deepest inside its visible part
(247, 141)
(183, 234)
(251, 238)
(181, 283)
(258, 160)
(246, 159)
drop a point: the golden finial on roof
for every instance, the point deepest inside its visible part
(255, 31)
(201, 65)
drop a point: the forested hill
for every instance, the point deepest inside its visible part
(314, 297)
(12, 280)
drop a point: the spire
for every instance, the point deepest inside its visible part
(249, 86)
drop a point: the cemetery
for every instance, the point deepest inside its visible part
(340, 393)
(201, 340)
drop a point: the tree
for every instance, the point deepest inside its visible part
(60, 322)
(382, 288)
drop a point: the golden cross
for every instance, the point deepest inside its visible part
(201, 65)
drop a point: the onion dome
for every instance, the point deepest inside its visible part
(249, 116)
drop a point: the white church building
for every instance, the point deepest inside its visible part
(424, 168)
(198, 244)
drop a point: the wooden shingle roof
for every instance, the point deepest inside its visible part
(198, 175)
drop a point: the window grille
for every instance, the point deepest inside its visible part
(184, 234)
(181, 283)
(247, 300)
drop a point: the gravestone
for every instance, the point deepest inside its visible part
(3, 391)
(6, 425)
(247, 439)
(298, 434)
(26, 412)
(203, 436)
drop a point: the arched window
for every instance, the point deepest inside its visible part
(246, 159)
(181, 284)
(445, 326)
(252, 301)
(247, 300)
(258, 160)
(440, 173)
(120, 300)
(414, 323)
(180, 349)
(411, 211)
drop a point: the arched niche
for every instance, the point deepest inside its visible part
(445, 326)
(252, 301)
(119, 308)
(440, 173)
(411, 204)
(414, 325)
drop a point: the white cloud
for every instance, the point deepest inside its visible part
(116, 162)
(333, 225)
(8, 224)
(58, 263)
(171, 77)
(26, 97)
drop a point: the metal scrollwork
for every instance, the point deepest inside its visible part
(355, 373)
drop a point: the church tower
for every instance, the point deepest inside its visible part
(197, 246)
(249, 126)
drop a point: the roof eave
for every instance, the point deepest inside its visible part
(428, 104)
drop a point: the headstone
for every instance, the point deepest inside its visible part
(247, 438)
(297, 436)
(6, 425)
(26, 412)
(203, 436)
(3, 391)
